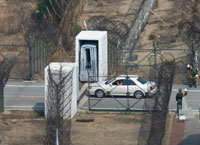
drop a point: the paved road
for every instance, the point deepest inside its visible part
(29, 95)
(193, 101)
(193, 97)
(24, 95)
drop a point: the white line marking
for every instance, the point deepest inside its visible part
(176, 90)
(25, 86)
(189, 101)
(32, 119)
(29, 81)
(24, 106)
(136, 109)
(22, 96)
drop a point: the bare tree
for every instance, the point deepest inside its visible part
(58, 107)
(189, 24)
(6, 65)
(52, 23)
(152, 128)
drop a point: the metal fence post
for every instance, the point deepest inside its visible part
(193, 53)
(155, 52)
(40, 56)
(37, 57)
(127, 93)
(57, 138)
(199, 115)
(2, 100)
(30, 59)
(89, 105)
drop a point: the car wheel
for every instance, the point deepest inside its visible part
(99, 93)
(138, 94)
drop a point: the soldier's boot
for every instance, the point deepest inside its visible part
(177, 110)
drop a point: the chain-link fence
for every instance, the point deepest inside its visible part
(5, 68)
(21, 62)
(123, 92)
(30, 59)
(143, 60)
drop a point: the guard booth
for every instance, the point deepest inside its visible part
(91, 55)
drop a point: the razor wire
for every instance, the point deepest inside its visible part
(58, 108)
(153, 122)
(116, 38)
(116, 34)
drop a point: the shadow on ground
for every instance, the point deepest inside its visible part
(39, 109)
(193, 139)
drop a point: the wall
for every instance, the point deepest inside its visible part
(64, 74)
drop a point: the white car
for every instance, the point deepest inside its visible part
(123, 85)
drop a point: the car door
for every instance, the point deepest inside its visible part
(118, 88)
(131, 86)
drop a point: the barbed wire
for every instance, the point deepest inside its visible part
(152, 132)
(58, 107)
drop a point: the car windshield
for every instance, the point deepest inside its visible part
(109, 81)
(141, 80)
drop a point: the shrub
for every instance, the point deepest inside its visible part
(38, 14)
(152, 37)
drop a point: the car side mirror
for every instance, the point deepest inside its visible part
(110, 85)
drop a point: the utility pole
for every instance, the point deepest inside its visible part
(155, 52)
(1, 97)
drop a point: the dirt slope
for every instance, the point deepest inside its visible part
(117, 11)
(13, 14)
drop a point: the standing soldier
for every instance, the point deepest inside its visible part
(193, 74)
(189, 67)
(179, 97)
(193, 77)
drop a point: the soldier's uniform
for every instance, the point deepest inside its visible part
(193, 78)
(193, 73)
(179, 97)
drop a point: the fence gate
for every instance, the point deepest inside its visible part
(140, 61)
(19, 55)
(28, 59)
(104, 98)
(39, 57)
